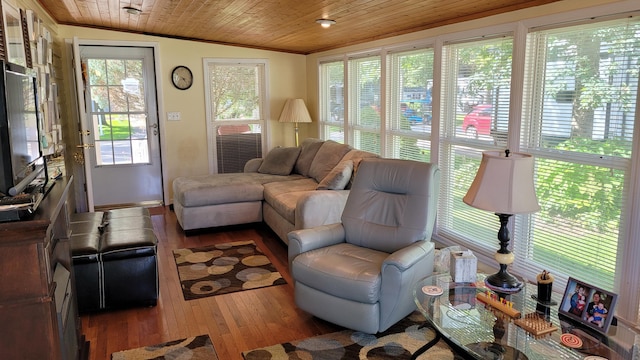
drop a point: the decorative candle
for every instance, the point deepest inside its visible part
(545, 286)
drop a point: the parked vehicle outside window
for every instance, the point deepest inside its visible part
(478, 121)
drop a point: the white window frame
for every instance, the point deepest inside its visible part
(212, 124)
(627, 281)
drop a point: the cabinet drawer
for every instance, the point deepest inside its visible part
(23, 272)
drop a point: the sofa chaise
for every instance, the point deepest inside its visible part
(290, 188)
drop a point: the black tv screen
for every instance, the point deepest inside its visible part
(19, 132)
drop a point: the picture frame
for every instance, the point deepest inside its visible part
(588, 305)
(14, 37)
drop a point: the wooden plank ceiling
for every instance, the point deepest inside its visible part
(280, 25)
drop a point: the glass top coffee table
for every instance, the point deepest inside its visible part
(483, 332)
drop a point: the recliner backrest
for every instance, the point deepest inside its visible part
(392, 204)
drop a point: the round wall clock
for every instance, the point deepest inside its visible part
(181, 77)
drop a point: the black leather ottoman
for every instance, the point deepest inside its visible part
(130, 271)
(114, 259)
(85, 248)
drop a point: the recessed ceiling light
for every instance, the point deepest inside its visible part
(325, 23)
(132, 10)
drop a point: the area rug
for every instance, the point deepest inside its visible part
(399, 342)
(193, 348)
(224, 268)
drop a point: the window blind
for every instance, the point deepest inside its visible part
(581, 85)
(408, 120)
(332, 101)
(474, 75)
(364, 103)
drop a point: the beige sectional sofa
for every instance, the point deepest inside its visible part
(290, 188)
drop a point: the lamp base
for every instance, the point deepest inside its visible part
(503, 282)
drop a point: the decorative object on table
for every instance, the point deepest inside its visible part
(224, 268)
(571, 340)
(536, 324)
(588, 305)
(463, 266)
(432, 290)
(442, 259)
(543, 296)
(296, 112)
(498, 303)
(504, 185)
(545, 287)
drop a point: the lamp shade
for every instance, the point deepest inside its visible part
(504, 184)
(295, 111)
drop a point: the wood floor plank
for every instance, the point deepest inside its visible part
(235, 322)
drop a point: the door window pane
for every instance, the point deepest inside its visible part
(118, 110)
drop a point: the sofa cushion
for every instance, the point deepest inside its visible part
(327, 157)
(338, 178)
(343, 270)
(356, 156)
(308, 150)
(279, 161)
(283, 196)
(223, 188)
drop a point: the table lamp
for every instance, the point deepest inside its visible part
(504, 185)
(296, 112)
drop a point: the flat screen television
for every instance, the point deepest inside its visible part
(21, 160)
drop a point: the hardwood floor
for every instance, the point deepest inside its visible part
(235, 322)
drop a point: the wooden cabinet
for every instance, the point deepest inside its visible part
(35, 269)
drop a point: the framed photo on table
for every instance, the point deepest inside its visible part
(588, 305)
(13, 35)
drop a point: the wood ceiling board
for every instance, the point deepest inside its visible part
(281, 25)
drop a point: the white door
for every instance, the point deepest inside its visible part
(120, 132)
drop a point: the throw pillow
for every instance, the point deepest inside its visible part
(356, 156)
(338, 178)
(327, 157)
(279, 161)
(308, 150)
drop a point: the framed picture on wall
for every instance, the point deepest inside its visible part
(588, 305)
(14, 39)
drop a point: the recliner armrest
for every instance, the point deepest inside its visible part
(320, 207)
(314, 238)
(410, 255)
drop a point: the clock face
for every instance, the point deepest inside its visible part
(182, 77)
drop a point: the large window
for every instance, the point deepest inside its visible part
(364, 103)
(395, 122)
(581, 90)
(567, 94)
(475, 82)
(236, 94)
(332, 112)
(409, 108)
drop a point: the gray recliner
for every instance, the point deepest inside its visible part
(360, 273)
